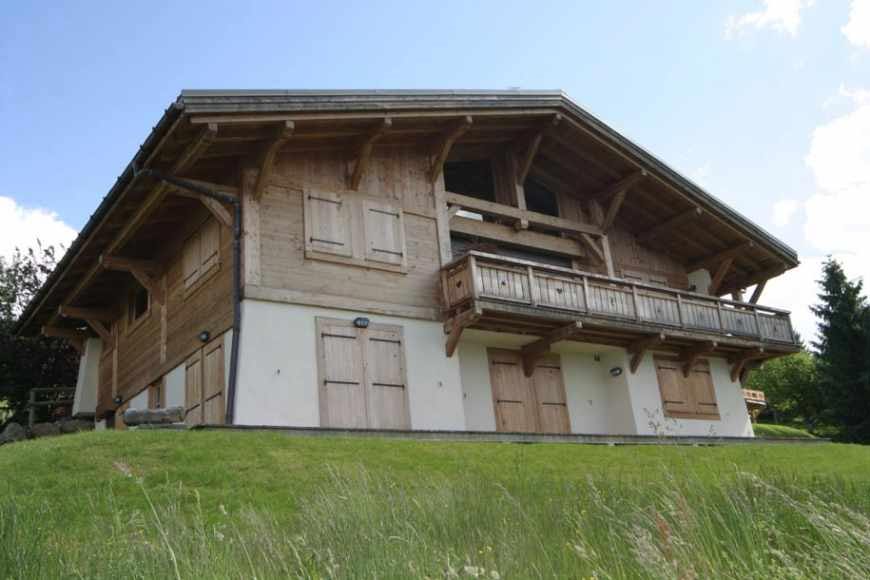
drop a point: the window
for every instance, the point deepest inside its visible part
(201, 254)
(471, 178)
(139, 303)
(540, 199)
(355, 230)
(692, 397)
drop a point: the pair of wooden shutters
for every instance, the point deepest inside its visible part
(362, 376)
(692, 397)
(204, 385)
(200, 253)
(332, 220)
(535, 404)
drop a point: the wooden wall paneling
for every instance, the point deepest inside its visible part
(213, 385)
(251, 243)
(193, 414)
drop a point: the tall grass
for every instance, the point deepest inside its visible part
(363, 525)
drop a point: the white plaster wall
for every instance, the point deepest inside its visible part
(173, 385)
(649, 417)
(700, 279)
(476, 387)
(85, 399)
(277, 380)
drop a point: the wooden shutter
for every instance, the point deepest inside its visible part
(343, 396)
(385, 374)
(209, 245)
(191, 259)
(327, 224)
(156, 395)
(213, 383)
(701, 384)
(673, 388)
(384, 233)
(514, 407)
(193, 389)
(550, 395)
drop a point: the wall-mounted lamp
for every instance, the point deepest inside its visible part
(204, 336)
(615, 371)
(361, 322)
(117, 400)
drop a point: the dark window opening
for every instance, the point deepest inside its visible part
(540, 199)
(140, 301)
(461, 245)
(471, 178)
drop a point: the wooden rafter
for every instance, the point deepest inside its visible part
(457, 324)
(533, 142)
(622, 185)
(364, 151)
(197, 147)
(75, 337)
(613, 209)
(145, 272)
(445, 143)
(670, 223)
(756, 294)
(719, 257)
(690, 355)
(738, 363)
(101, 314)
(282, 134)
(638, 348)
(754, 278)
(214, 207)
(719, 276)
(532, 352)
(595, 251)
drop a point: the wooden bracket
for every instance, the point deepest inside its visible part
(215, 207)
(102, 331)
(720, 257)
(101, 314)
(590, 243)
(531, 148)
(75, 337)
(363, 154)
(620, 186)
(282, 134)
(145, 272)
(445, 143)
(197, 147)
(689, 356)
(756, 294)
(670, 223)
(638, 348)
(739, 362)
(459, 323)
(532, 352)
(719, 276)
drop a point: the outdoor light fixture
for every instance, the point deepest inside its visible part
(204, 336)
(361, 322)
(118, 400)
(615, 371)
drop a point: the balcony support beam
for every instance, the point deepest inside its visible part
(689, 356)
(532, 353)
(282, 133)
(719, 276)
(739, 362)
(445, 143)
(364, 152)
(459, 323)
(756, 294)
(638, 348)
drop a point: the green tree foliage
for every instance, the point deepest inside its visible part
(27, 362)
(792, 389)
(843, 353)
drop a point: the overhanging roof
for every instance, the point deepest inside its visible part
(339, 104)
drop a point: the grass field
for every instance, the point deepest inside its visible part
(770, 431)
(240, 505)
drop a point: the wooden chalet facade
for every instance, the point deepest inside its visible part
(447, 260)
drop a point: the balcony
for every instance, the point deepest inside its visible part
(494, 292)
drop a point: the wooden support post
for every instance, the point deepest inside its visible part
(738, 363)
(670, 223)
(282, 134)
(532, 352)
(364, 152)
(756, 294)
(689, 356)
(589, 242)
(145, 272)
(459, 323)
(719, 276)
(638, 348)
(613, 209)
(525, 160)
(445, 143)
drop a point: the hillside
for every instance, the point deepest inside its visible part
(221, 504)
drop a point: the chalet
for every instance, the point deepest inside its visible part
(422, 260)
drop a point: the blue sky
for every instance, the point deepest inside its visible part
(764, 103)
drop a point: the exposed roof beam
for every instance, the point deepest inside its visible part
(74, 336)
(670, 223)
(525, 161)
(215, 207)
(638, 348)
(196, 148)
(620, 186)
(756, 294)
(101, 314)
(143, 270)
(445, 143)
(718, 257)
(613, 209)
(282, 134)
(532, 352)
(753, 278)
(690, 355)
(719, 276)
(365, 151)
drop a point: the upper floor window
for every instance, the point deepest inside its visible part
(540, 199)
(138, 305)
(471, 178)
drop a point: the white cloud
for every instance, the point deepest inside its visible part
(857, 29)
(783, 211)
(22, 227)
(780, 15)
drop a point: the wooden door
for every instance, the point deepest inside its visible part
(535, 404)
(385, 379)
(550, 395)
(213, 409)
(193, 389)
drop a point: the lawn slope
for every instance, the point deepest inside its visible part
(239, 505)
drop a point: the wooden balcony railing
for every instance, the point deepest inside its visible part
(754, 397)
(481, 276)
